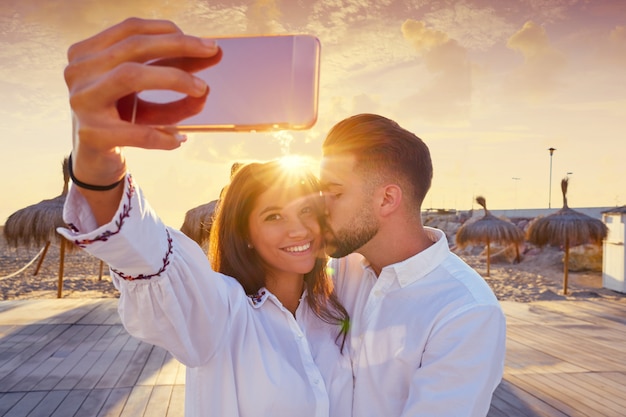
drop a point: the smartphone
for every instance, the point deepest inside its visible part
(257, 83)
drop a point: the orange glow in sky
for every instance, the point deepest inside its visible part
(489, 85)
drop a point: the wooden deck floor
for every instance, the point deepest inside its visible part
(72, 357)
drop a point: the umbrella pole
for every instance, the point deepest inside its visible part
(101, 268)
(566, 267)
(61, 264)
(488, 256)
(43, 255)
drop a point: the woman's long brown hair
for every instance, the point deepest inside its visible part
(228, 247)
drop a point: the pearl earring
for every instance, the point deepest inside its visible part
(250, 246)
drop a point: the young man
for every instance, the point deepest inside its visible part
(427, 334)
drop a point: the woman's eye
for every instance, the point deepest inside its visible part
(272, 217)
(307, 210)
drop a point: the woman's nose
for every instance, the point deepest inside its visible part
(298, 228)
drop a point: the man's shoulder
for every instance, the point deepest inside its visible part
(354, 259)
(350, 266)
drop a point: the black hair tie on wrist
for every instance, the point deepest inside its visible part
(86, 186)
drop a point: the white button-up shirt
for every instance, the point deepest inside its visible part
(245, 356)
(427, 336)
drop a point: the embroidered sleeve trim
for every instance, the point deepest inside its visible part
(124, 214)
(166, 262)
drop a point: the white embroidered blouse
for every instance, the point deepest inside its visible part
(245, 355)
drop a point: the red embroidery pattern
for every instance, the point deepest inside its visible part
(258, 297)
(166, 262)
(126, 208)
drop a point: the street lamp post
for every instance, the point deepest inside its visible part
(550, 185)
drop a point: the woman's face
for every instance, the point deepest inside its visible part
(285, 232)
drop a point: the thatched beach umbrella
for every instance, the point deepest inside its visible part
(35, 226)
(487, 230)
(566, 228)
(198, 221)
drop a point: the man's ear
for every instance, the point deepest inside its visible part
(391, 199)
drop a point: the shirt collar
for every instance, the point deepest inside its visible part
(422, 263)
(263, 294)
(259, 298)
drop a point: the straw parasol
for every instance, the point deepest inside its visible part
(487, 230)
(198, 221)
(35, 226)
(566, 228)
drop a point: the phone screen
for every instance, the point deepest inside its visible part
(259, 83)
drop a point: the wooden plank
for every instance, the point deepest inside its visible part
(115, 402)
(546, 394)
(168, 371)
(49, 403)
(571, 348)
(513, 401)
(46, 354)
(104, 313)
(564, 358)
(108, 348)
(80, 361)
(137, 401)
(177, 402)
(132, 372)
(8, 401)
(26, 404)
(40, 346)
(152, 367)
(570, 388)
(93, 402)
(159, 401)
(119, 366)
(64, 375)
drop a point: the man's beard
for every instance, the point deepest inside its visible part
(360, 230)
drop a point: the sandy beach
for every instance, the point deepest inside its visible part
(539, 276)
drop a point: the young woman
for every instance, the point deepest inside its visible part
(267, 342)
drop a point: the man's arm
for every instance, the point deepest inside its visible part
(461, 366)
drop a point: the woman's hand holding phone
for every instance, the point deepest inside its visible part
(104, 69)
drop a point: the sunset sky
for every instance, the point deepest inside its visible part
(489, 85)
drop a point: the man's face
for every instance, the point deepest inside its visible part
(349, 204)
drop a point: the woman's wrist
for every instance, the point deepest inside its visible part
(87, 186)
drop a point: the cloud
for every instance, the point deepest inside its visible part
(447, 94)
(474, 27)
(88, 17)
(543, 66)
(264, 17)
(615, 50)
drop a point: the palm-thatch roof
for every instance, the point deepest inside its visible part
(566, 228)
(487, 230)
(198, 221)
(35, 225)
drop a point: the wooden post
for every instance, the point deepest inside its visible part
(488, 256)
(61, 263)
(565, 266)
(101, 268)
(43, 255)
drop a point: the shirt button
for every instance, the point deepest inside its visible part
(378, 293)
(300, 335)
